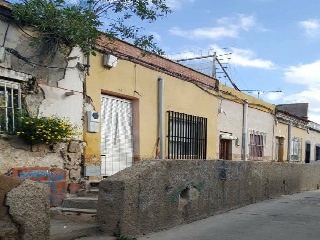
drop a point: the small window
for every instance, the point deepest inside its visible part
(256, 144)
(296, 149)
(10, 104)
(317, 157)
(187, 136)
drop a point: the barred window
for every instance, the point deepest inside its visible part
(296, 149)
(317, 157)
(187, 136)
(10, 104)
(256, 144)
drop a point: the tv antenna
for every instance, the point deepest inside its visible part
(260, 91)
(215, 60)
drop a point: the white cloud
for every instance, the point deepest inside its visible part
(273, 96)
(309, 95)
(307, 74)
(177, 4)
(212, 33)
(156, 36)
(238, 57)
(311, 27)
(225, 27)
(244, 58)
(247, 58)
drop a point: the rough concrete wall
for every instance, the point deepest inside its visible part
(155, 195)
(8, 229)
(29, 208)
(24, 209)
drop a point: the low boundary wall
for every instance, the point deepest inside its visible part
(156, 195)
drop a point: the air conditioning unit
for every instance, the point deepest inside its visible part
(109, 60)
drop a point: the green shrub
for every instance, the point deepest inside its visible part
(47, 130)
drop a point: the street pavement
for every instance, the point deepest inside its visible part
(292, 217)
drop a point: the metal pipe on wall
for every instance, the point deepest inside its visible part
(160, 116)
(289, 141)
(245, 130)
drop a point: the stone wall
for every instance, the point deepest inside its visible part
(24, 209)
(15, 153)
(156, 195)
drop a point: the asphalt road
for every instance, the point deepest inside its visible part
(292, 217)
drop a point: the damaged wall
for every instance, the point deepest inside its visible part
(156, 195)
(24, 209)
(15, 153)
(51, 84)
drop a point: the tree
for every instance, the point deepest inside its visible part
(61, 23)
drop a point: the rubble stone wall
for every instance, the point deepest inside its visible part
(15, 153)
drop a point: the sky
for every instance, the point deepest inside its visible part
(266, 45)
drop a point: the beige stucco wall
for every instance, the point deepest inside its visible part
(230, 117)
(262, 122)
(140, 84)
(230, 120)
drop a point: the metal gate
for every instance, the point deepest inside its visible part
(116, 135)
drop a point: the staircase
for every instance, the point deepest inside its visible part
(80, 207)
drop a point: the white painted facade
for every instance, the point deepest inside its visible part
(230, 122)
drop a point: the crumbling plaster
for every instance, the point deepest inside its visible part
(58, 80)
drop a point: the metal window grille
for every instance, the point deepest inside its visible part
(187, 136)
(10, 104)
(256, 144)
(317, 158)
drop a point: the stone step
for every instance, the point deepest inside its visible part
(80, 202)
(74, 214)
(93, 192)
(76, 210)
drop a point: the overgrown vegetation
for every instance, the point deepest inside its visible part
(60, 23)
(48, 130)
(120, 237)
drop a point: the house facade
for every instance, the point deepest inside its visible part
(150, 108)
(245, 126)
(134, 106)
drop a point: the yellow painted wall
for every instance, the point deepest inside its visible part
(237, 96)
(132, 81)
(282, 131)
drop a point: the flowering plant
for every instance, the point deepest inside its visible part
(47, 130)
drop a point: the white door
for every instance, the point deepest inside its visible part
(116, 135)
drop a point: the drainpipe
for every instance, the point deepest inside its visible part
(289, 141)
(160, 117)
(245, 130)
